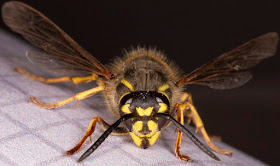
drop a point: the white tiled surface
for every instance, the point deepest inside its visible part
(33, 136)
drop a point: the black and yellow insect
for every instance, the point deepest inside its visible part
(143, 89)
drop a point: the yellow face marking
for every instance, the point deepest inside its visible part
(143, 112)
(154, 138)
(127, 84)
(153, 127)
(137, 140)
(163, 87)
(163, 108)
(137, 126)
(125, 109)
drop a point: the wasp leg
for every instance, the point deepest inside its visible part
(185, 97)
(180, 118)
(78, 97)
(193, 115)
(74, 80)
(90, 130)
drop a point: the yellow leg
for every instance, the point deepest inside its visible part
(74, 80)
(78, 97)
(187, 97)
(193, 115)
(180, 118)
(89, 131)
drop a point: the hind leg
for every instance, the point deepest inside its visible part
(194, 116)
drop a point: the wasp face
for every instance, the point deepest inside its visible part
(144, 128)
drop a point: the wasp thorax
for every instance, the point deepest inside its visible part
(144, 127)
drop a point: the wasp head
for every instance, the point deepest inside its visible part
(144, 127)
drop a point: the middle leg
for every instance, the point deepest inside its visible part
(78, 97)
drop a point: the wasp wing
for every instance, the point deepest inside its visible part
(53, 64)
(230, 69)
(43, 33)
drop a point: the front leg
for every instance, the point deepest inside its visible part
(180, 118)
(104, 125)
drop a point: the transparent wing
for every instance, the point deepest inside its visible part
(43, 33)
(230, 69)
(53, 64)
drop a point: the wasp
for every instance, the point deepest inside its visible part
(143, 89)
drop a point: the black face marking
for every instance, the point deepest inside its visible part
(144, 100)
(145, 129)
(145, 143)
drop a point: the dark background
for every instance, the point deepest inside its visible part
(191, 33)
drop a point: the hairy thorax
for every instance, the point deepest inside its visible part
(142, 70)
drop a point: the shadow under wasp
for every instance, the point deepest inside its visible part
(143, 89)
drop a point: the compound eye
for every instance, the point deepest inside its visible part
(126, 99)
(159, 100)
(129, 101)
